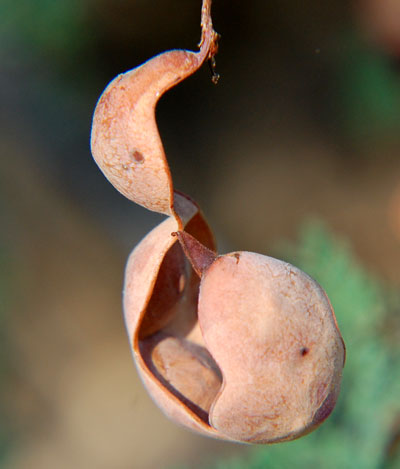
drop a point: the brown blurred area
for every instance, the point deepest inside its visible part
(302, 125)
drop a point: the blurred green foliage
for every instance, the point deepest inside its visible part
(44, 26)
(368, 91)
(360, 432)
(5, 434)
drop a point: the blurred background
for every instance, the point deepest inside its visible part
(294, 153)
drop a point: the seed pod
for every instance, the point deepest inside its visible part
(273, 333)
(262, 359)
(160, 308)
(125, 142)
(241, 347)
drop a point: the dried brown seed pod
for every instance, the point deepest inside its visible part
(160, 307)
(241, 347)
(260, 360)
(272, 332)
(125, 142)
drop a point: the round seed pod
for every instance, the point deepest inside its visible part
(272, 332)
(252, 354)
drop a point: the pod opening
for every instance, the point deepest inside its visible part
(170, 341)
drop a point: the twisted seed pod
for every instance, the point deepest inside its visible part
(125, 142)
(160, 308)
(241, 347)
(261, 361)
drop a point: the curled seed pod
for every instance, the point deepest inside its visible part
(241, 347)
(125, 141)
(263, 358)
(160, 308)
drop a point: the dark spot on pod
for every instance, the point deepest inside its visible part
(326, 408)
(137, 156)
(304, 351)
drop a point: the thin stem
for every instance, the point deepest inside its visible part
(209, 38)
